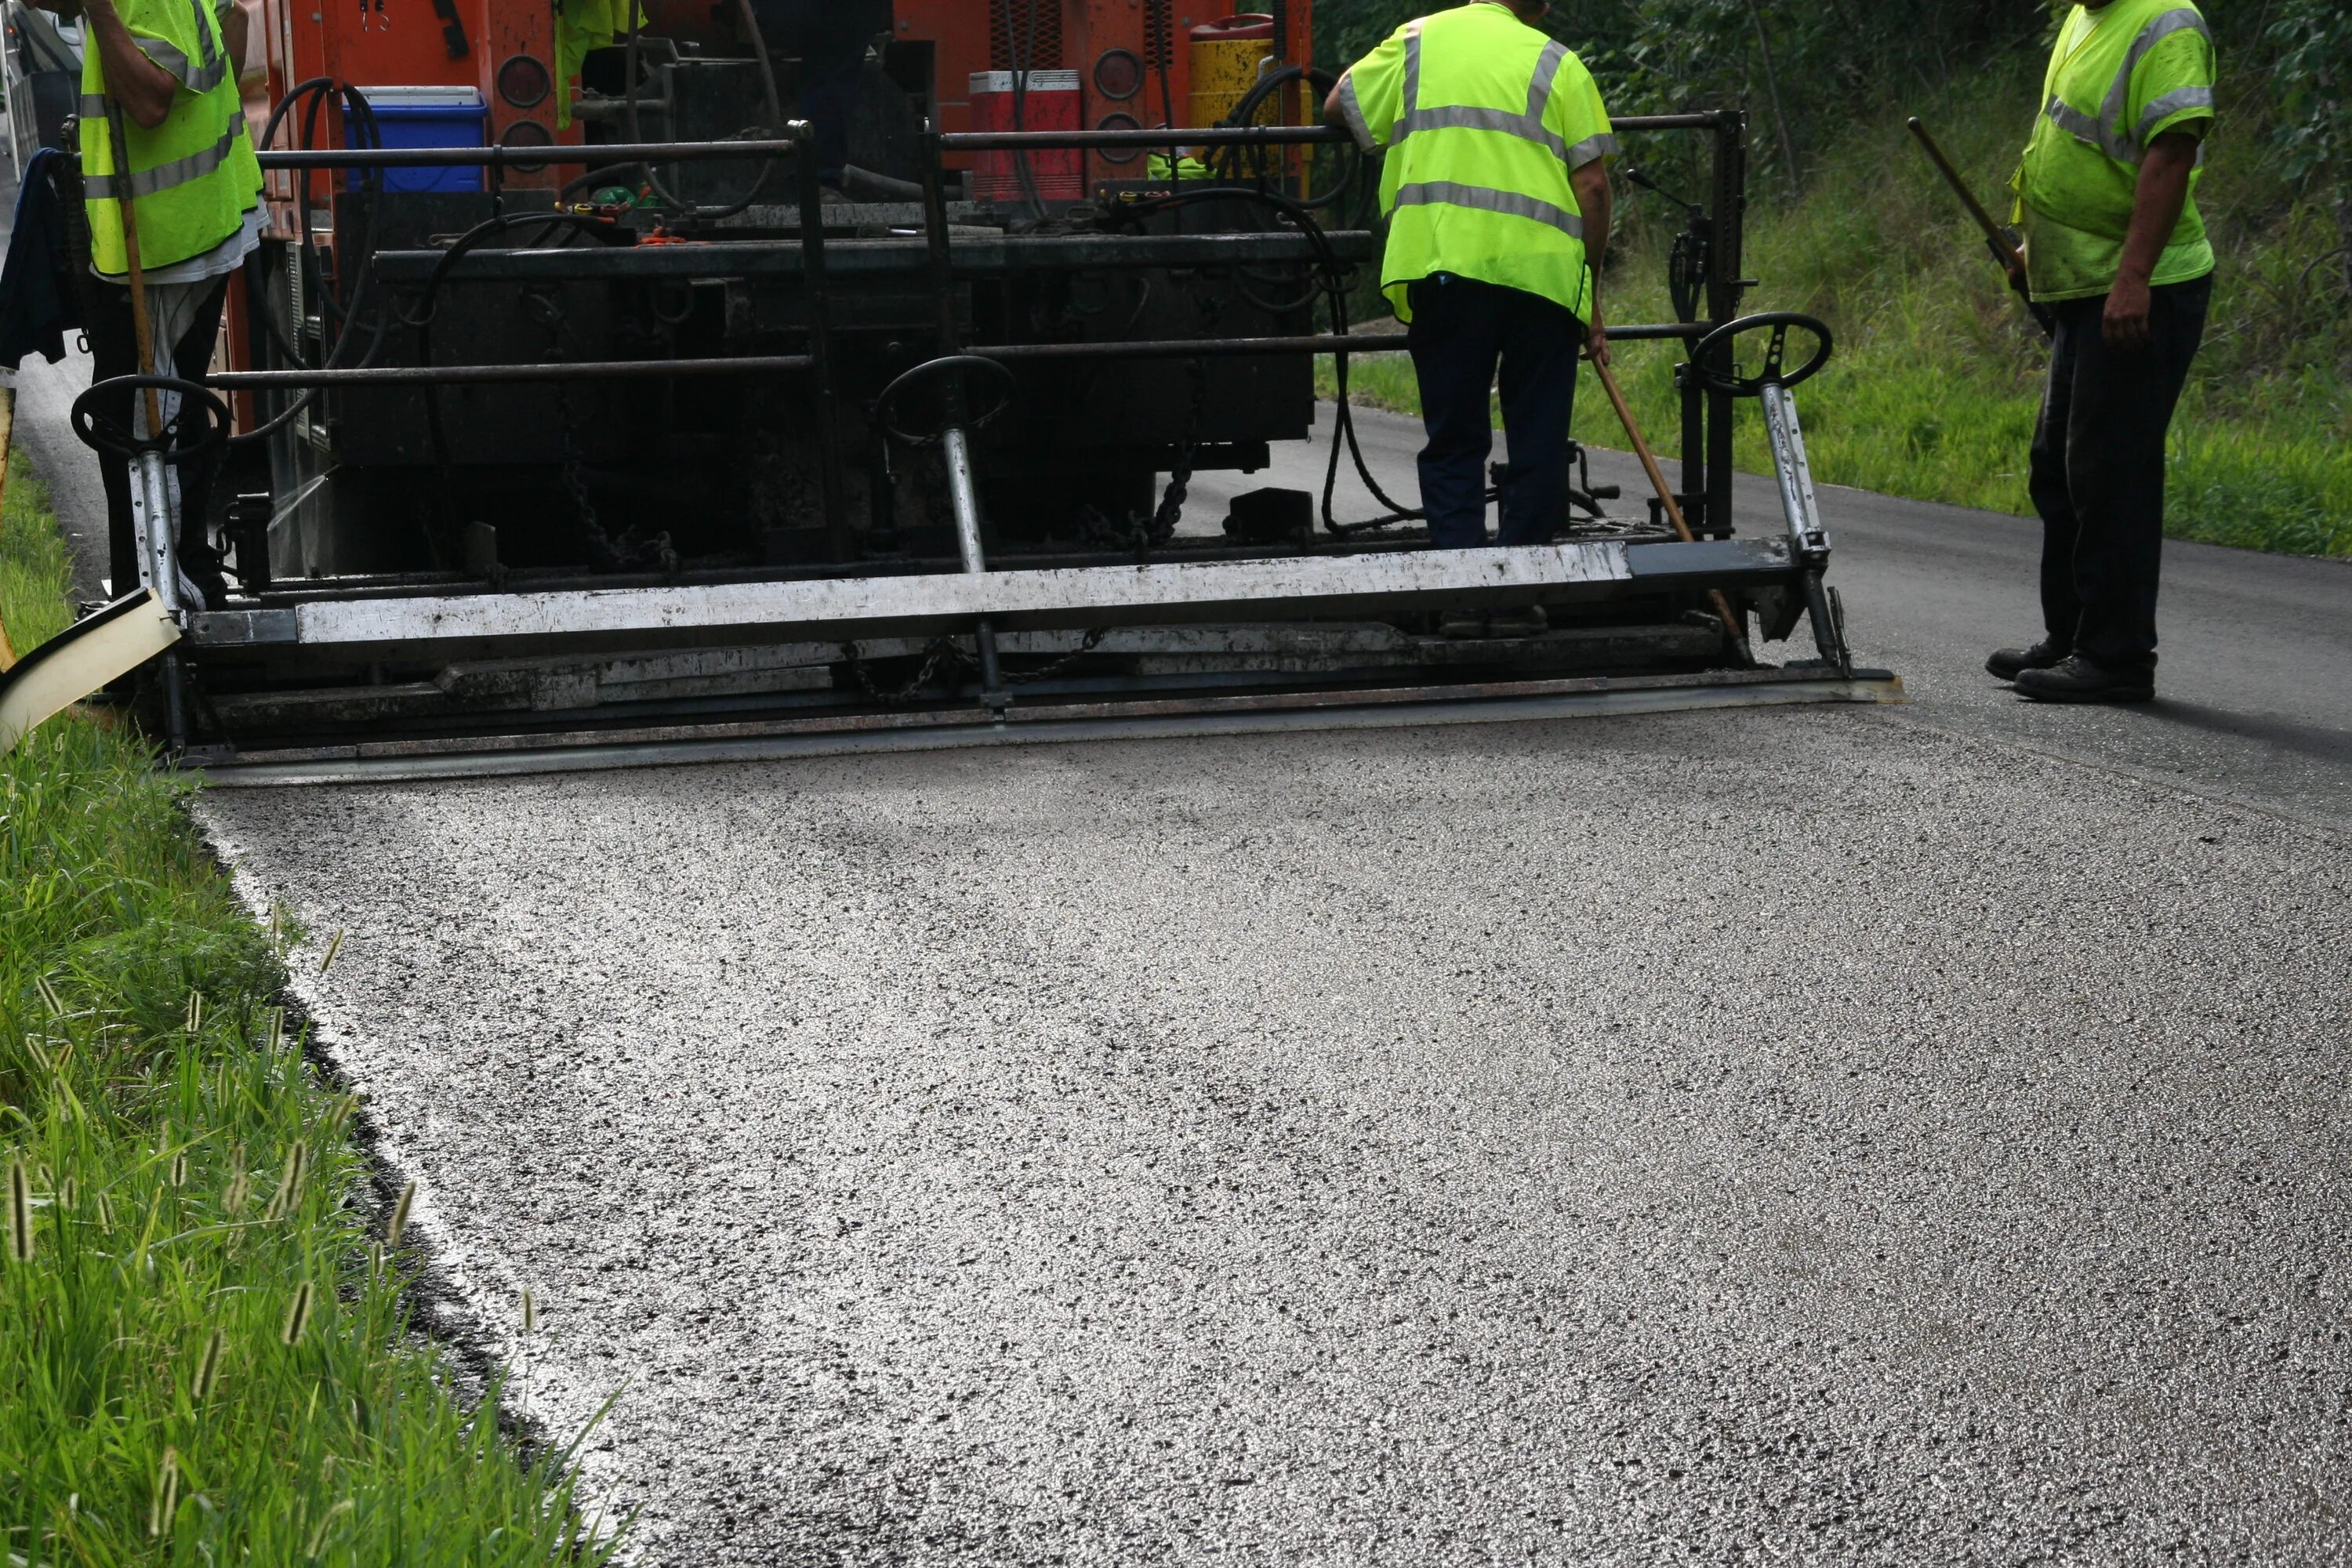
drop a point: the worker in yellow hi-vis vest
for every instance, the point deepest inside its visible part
(161, 74)
(2115, 248)
(1496, 187)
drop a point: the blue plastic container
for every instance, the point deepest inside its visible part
(425, 117)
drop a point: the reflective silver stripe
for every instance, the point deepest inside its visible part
(1547, 72)
(1466, 119)
(1511, 204)
(204, 34)
(2120, 143)
(91, 106)
(2078, 125)
(1602, 146)
(2170, 104)
(1412, 64)
(1351, 109)
(195, 77)
(178, 172)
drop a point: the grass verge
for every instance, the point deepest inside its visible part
(1938, 379)
(207, 1356)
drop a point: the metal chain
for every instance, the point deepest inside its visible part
(944, 650)
(1179, 477)
(627, 549)
(939, 650)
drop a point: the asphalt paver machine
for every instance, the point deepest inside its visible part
(571, 423)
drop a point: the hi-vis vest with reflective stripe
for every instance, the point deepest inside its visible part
(195, 177)
(2146, 68)
(1484, 117)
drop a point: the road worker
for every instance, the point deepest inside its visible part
(1496, 187)
(164, 73)
(2115, 248)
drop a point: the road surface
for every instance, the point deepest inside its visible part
(1826, 1136)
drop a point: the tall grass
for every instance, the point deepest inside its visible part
(1937, 378)
(207, 1357)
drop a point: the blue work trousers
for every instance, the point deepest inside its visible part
(1462, 330)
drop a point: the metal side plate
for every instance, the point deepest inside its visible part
(1257, 713)
(1066, 596)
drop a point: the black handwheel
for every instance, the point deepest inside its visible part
(947, 365)
(102, 433)
(1776, 353)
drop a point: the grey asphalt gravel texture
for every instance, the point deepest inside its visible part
(1905, 1136)
(1768, 1136)
(1900, 1136)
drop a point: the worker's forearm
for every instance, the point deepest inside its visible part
(1596, 204)
(141, 87)
(236, 32)
(2157, 205)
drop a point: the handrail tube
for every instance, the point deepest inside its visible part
(755, 364)
(613, 152)
(1236, 135)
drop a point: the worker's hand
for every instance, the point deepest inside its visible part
(2124, 326)
(1596, 341)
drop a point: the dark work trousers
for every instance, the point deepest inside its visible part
(2098, 474)
(1461, 330)
(114, 350)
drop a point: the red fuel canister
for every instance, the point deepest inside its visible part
(1050, 103)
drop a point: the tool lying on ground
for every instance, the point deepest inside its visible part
(2001, 242)
(721, 473)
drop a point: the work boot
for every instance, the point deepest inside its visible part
(2008, 663)
(1528, 621)
(1462, 624)
(2077, 680)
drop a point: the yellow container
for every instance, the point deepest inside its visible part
(1226, 59)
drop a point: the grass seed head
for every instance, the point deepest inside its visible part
(289, 1185)
(20, 1212)
(68, 1194)
(105, 1216)
(167, 1495)
(196, 1011)
(341, 1111)
(334, 946)
(399, 1222)
(207, 1370)
(277, 1032)
(529, 1313)
(180, 1169)
(49, 997)
(326, 1522)
(240, 1193)
(297, 1314)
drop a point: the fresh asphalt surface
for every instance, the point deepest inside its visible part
(1906, 1136)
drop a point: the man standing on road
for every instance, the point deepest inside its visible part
(162, 75)
(2116, 248)
(1497, 193)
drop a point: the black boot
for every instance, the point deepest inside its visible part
(2077, 680)
(2008, 663)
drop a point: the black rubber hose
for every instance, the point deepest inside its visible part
(775, 112)
(1334, 277)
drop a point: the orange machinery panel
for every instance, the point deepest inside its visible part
(1075, 35)
(402, 43)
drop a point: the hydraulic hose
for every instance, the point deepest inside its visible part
(768, 90)
(1332, 279)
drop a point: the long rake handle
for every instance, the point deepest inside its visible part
(142, 328)
(1666, 496)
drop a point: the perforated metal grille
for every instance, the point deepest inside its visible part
(1034, 27)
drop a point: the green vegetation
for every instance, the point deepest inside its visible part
(1938, 379)
(207, 1355)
